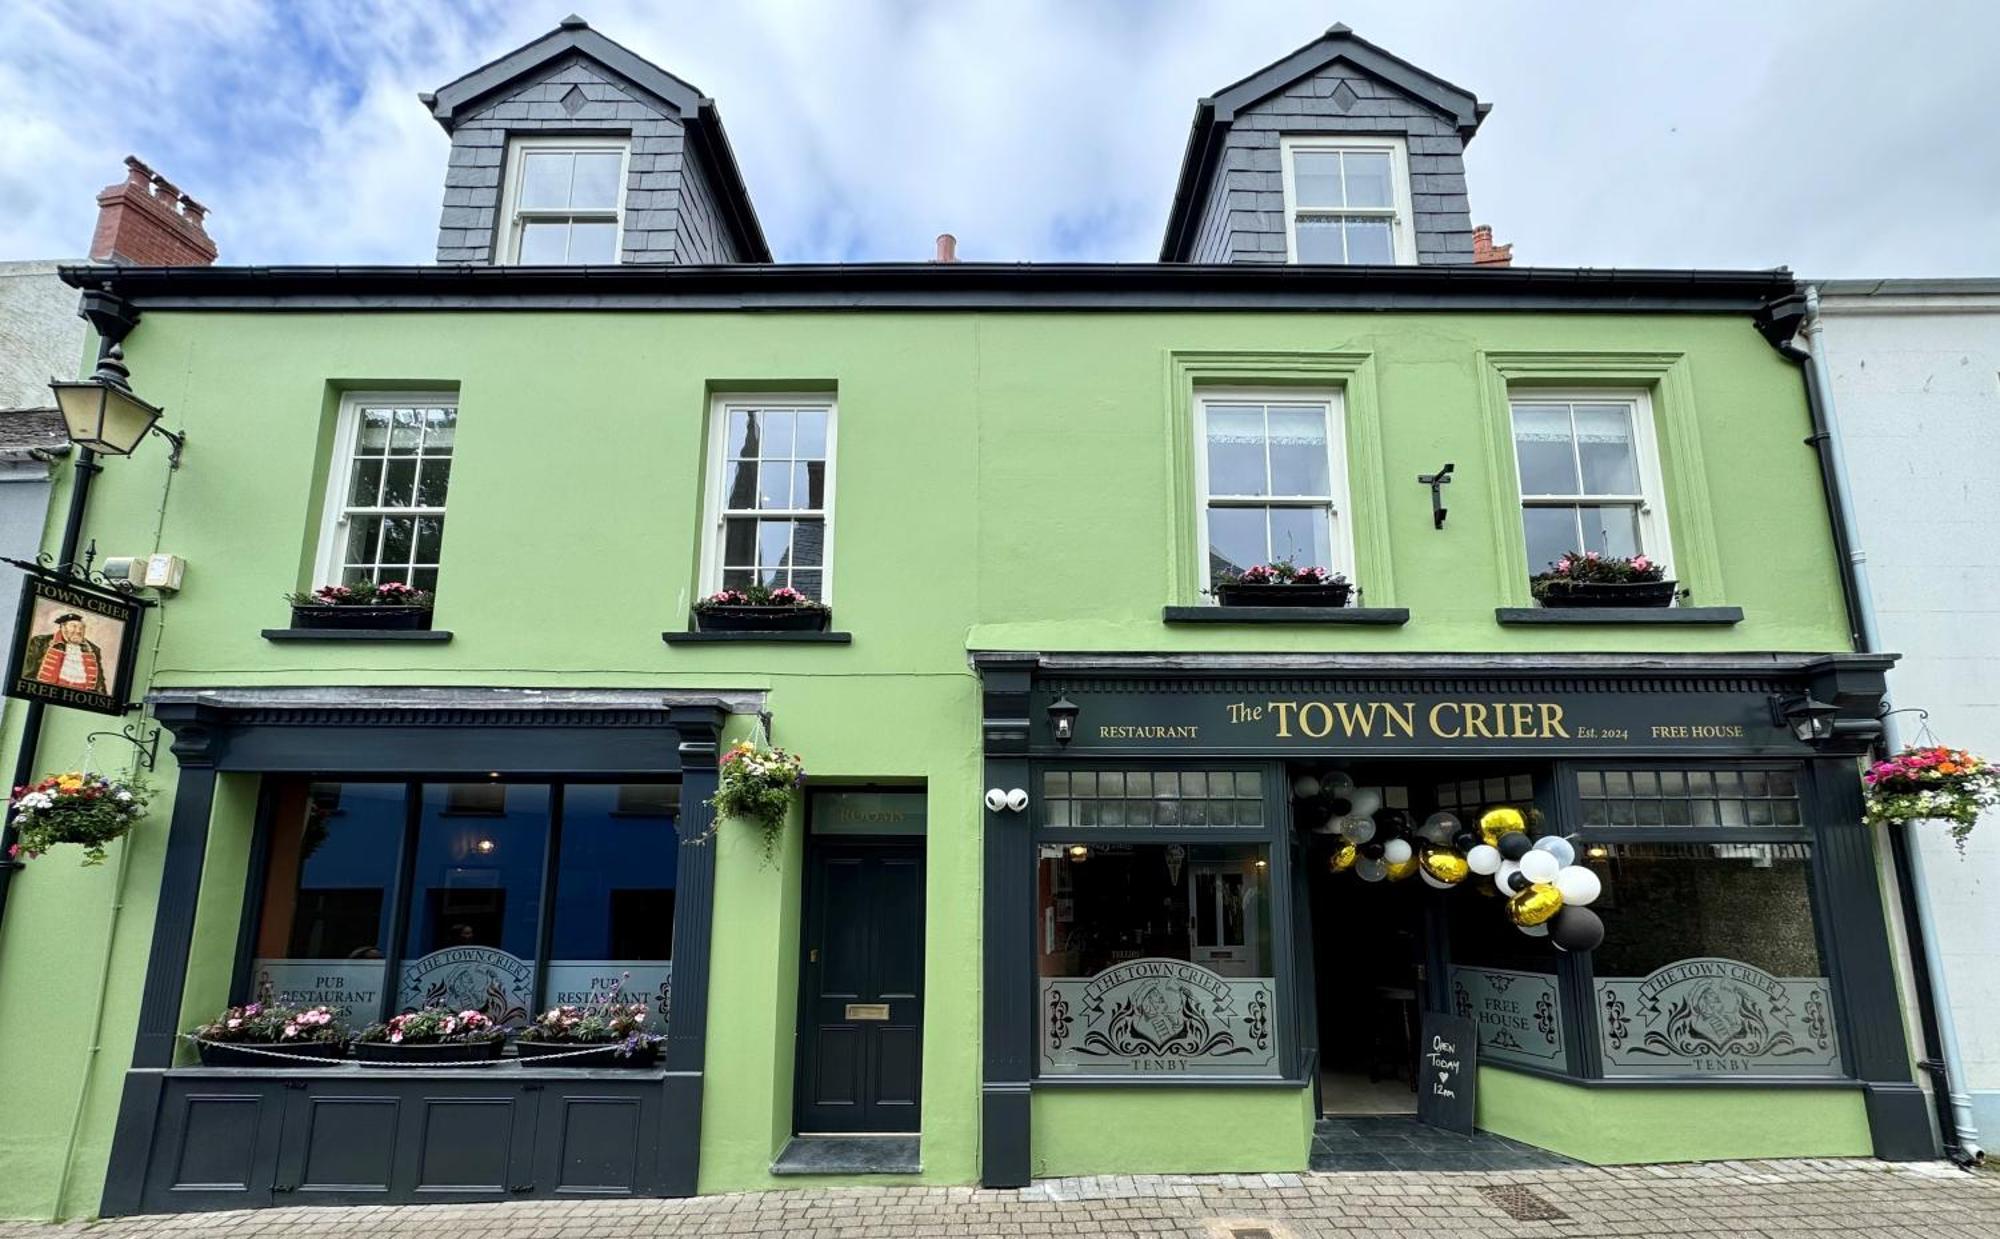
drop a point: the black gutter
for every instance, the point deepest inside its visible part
(1024, 286)
(1785, 322)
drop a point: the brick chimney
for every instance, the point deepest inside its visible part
(1487, 254)
(947, 248)
(146, 221)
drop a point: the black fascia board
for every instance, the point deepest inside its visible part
(967, 286)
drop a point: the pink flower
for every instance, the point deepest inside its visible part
(291, 1030)
(395, 1036)
(1641, 563)
(236, 1023)
(1590, 554)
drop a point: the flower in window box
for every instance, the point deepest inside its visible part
(258, 1033)
(1281, 583)
(617, 1029)
(759, 608)
(362, 604)
(1592, 579)
(431, 1034)
(1932, 783)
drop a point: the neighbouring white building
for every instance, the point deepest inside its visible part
(1915, 377)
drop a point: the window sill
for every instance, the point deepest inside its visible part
(1678, 1082)
(1174, 1081)
(1386, 616)
(1619, 615)
(807, 638)
(357, 634)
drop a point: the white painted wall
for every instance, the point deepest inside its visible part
(41, 338)
(1916, 387)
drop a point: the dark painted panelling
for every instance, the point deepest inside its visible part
(465, 1144)
(899, 1070)
(350, 1144)
(600, 1145)
(214, 1156)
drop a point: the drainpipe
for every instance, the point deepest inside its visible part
(1942, 1059)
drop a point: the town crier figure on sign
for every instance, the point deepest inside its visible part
(65, 657)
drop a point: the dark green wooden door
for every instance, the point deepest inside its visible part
(861, 1011)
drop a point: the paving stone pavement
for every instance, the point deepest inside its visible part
(1741, 1200)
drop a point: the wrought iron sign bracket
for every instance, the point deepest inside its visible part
(146, 742)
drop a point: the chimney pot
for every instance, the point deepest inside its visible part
(947, 248)
(1487, 254)
(147, 221)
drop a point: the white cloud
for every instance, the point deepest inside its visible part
(1829, 136)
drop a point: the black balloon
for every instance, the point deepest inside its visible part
(1465, 840)
(1372, 850)
(1514, 845)
(1518, 882)
(1576, 929)
(1339, 806)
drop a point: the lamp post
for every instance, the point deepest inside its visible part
(102, 414)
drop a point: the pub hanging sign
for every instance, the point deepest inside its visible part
(75, 644)
(1247, 719)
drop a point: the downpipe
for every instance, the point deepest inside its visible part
(1942, 1060)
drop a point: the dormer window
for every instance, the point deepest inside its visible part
(1347, 201)
(564, 200)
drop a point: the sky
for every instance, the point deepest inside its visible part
(1834, 137)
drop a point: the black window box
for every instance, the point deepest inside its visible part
(357, 634)
(762, 619)
(1558, 594)
(1390, 616)
(1619, 615)
(756, 635)
(410, 618)
(1265, 596)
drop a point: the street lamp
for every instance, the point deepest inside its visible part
(103, 415)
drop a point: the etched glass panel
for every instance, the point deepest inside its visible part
(1518, 1014)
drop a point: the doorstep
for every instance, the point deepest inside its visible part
(850, 1155)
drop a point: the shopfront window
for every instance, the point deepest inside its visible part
(325, 921)
(1156, 955)
(1711, 961)
(467, 924)
(614, 913)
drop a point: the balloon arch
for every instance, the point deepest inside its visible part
(1548, 894)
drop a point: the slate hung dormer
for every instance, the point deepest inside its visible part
(1339, 153)
(574, 150)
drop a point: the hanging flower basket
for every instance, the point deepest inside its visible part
(1280, 584)
(1588, 579)
(431, 1035)
(567, 1034)
(757, 785)
(363, 605)
(760, 610)
(249, 1036)
(85, 809)
(1932, 783)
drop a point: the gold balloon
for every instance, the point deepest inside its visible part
(1444, 865)
(1342, 858)
(1535, 905)
(1501, 821)
(1401, 870)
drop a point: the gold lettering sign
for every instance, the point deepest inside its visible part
(1403, 720)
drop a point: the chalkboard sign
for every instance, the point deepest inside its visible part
(1448, 1072)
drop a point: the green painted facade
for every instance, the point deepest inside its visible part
(1004, 481)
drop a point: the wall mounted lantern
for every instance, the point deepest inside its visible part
(1809, 719)
(103, 415)
(1062, 719)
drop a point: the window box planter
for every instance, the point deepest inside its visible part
(602, 1055)
(259, 1053)
(400, 619)
(1610, 594)
(430, 1051)
(762, 619)
(1241, 594)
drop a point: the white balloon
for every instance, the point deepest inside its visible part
(1369, 869)
(1440, 833)
(1364, 801)
(1580, 887)
(1360, 829)
(1442, 824)
(1305, 787)
(1540, 866)
(1507, 869)
(1558, 847)
(1484, 858)
(1337, 783)
(1432, 882)
(1331, 826)
(1396, 851)
(1534, 931)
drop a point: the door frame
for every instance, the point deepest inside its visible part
(815, 845)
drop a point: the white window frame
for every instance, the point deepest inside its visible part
(513, 218)
(1340, 532)
(1655, 538)
(1402, 223)
(715, 515)
(329, 565)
